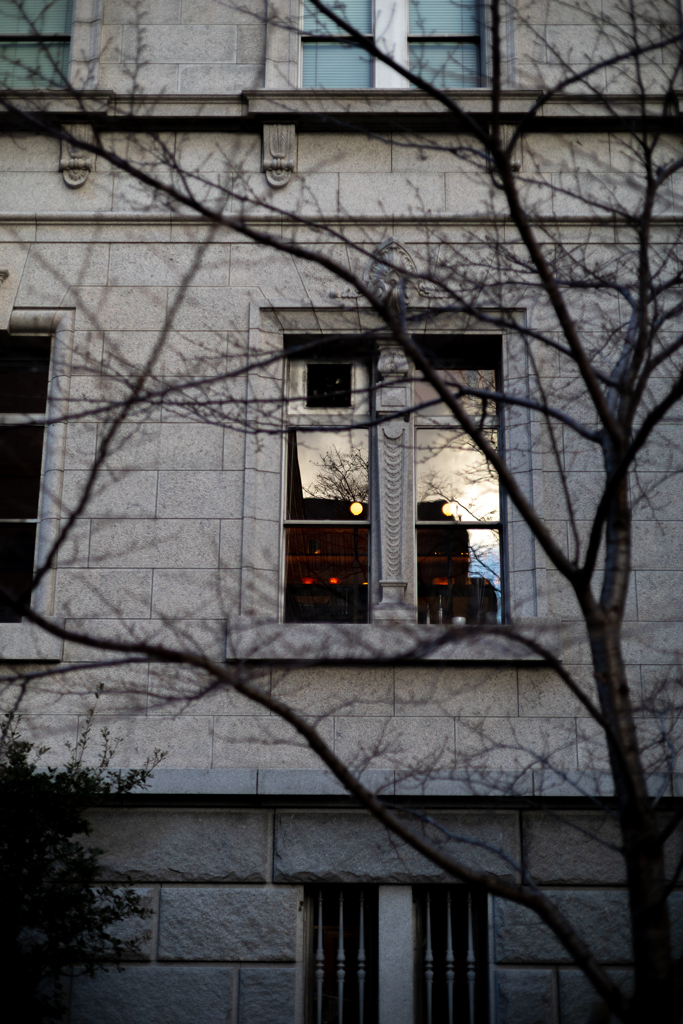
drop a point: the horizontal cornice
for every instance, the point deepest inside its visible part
(332, 110)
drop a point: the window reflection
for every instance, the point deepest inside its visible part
(327, 574)
(458, 575)
(454, 480)
(483, 380)
(327, 475)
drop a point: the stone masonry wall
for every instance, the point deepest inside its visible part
(226, 943)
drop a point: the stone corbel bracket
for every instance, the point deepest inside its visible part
(76, 163)
(279, 153)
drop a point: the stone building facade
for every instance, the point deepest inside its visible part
(242, 839)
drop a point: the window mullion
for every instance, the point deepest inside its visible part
(391, 36)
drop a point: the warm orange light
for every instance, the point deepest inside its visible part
(440, 581)
(308, 579)
(449, 508)
(333, 579)
(355, 508)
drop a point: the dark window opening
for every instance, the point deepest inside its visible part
(451, 956)
(342, 954)
(327, 574)
(24, 366)
(458, 575)
(328, 385)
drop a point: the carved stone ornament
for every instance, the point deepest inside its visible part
(390, 274)
(393, 453)
(76, 163)
(392, 362)
(4, 274)
(279, 153)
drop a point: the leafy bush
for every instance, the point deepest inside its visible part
(56, 919)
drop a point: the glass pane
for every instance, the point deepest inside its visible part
(24, 364)
(480, 379)
(17, 542)
(33, 65)
(335, 66)
(328, 385)
(445, 17)
(458, 575)
(358, 13)
(21, 452)
(446, 65)
(454, 480)
(47, 17)
(327, 474)
(327, 574)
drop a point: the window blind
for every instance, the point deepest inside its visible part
(46, 17)
(444, 17)
(34, 63)
(446, 65)
(331, 65)
(358, 13)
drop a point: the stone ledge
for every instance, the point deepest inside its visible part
(268, 641)
(454, 783)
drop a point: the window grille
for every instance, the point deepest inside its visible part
(451, 955)
(35, 37)
(24, 366)
(342, 954)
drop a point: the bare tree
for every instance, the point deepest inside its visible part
(579, 268)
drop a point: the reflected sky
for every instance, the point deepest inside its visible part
(482, 379)
(334, 464)
(451, 469)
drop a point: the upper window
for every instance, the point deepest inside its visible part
(34, 43)
(438, 39)
(443, 42)
(24, 364)
(329, 60)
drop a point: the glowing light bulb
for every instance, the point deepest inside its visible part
(355, 508)
(449, 508)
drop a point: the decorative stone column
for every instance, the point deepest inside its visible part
(395, 490)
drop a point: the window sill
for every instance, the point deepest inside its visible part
(316, 642)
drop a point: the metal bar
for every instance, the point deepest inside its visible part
(341, 972)
(34, 37)
(429, 960)
(320, 959)
(471, 965)
(361, 961)
(450, 971)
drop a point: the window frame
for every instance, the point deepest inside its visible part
(333, 37)
(299, 414)
(423, 421)
(392, 34)
(32, 419)
(364, 384)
